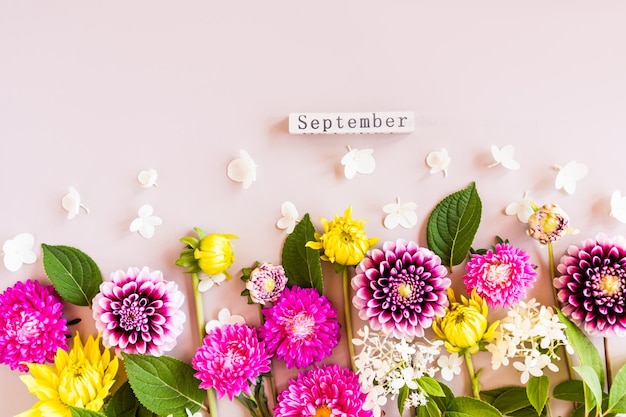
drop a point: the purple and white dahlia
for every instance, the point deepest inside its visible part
(31, 326)
(401, 288)
(137, 311)
(592, 285)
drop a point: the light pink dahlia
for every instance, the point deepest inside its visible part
(592, 285)
(266, 282)
(230, 360)
(327, 391)
(401, 288)
(31, 326)
(137, 311)
(501, 275)
(301, 327)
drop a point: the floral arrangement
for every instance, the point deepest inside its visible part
(417, 334)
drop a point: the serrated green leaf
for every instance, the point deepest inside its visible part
(123, 403)
(164, 385)
(538, 389)
(453, 224)
(592, 383)
(431, 386)
(83, 412)
(569, 390)
(302, 265)
(587, 352)
(74, 275)
(472, 407)
(617, 394)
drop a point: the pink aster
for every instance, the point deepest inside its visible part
(323, 391)
(31, 326)
(230, 360)
(301, 327)
(592, 285)
(501, 275)
(401, 288)
(138, 311)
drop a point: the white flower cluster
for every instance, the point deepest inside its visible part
(385, 365)
(530, 331)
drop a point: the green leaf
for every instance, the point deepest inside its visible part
(569, 390)
(511, 400)
(587, 352)
(429, 410)
(538, 389)
(592, 382)
(453, 224)
(403, 394)
(431, 386)
(123, 403)
(617, 394)
(302, 265)
(164, 385)
(74, 275)
(472, 407)
(83, 412)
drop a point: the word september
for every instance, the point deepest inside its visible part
(342, 123)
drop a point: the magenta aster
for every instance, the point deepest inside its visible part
(301, 327)
(137, 311)
(31, 326)
(501, 275)
(230, 360)
(592, 285)
(326, 391)
(401, 288)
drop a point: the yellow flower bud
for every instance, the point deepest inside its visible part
(464, 326)
(215, 254)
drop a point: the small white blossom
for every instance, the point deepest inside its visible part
(439, 161)
(19, 251)
(523, 208)
(289, 217)
(400, 215)
(504, 156)
(73, 203)
(146, 222)
(207, 281)
(148, 177)
(224, 317)
(358, 162)
(569, 175)
(450, 366)
(242, 169)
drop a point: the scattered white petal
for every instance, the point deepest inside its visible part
(450, 365)
(223, 318)
(289, 218)
(358, 162)
(523, 208)
(242, 169)
(618, 206)
(72, 203)
(146, 222)
(568, 176)
(504, 156)
(207, 281)
(400, 214)
(439, 161)
(19, 251)
(148, 177)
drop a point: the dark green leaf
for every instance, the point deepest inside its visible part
(569, 390)
(302, 265)
(164, 385)
(83, 412)
(538, 389)
(123, 403)
(74, 275)
(472, 407)
(513, 399)
(453, 224)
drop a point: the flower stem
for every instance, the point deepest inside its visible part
(347, 306)
(210, 393)
(607, 364)
(472, 374)
(270, 374)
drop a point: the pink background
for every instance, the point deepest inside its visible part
(91, 93)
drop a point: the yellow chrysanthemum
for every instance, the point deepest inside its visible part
(344, 240)
(215, 254)
(464, 326)
(80, 378)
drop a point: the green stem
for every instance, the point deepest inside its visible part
(270, 374)
(210, 393)
(472, 374)
(607, 364)
(347, 307)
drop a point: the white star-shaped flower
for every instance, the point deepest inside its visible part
(289, 217)
(400, 214)
(148, 177)
(358, 162)
(207, 281)
(242, 169)
(72, 203)
(504, 156)
(439, 161)
(19, 251)
(450, 365)
(569, 175)
(224, 317)
(146, 222)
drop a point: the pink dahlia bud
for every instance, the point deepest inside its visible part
(266, 283)
(548, 224)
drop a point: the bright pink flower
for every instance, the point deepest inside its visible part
(230, 360)
(592, 285)
(401, 288)
(301, 327)
(31, 326)
(501, 275)
(325, 391)
(137, 311)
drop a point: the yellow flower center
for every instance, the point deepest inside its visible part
(405, 290)
(610, 284)
(269, 284)
(322, 411)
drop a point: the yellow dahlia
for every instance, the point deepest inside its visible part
(79, 378)
(464, 327)
(344, 241)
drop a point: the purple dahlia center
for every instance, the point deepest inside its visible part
(606, 285)
(404, 289)
(134, 313)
